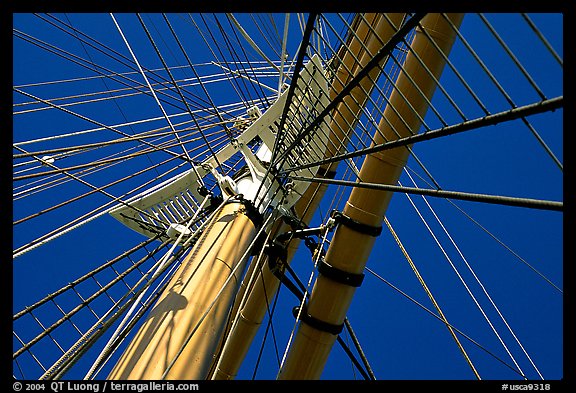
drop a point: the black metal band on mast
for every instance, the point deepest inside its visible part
(340, 276)
(316, 323)
(342, 219)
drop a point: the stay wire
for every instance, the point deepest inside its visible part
(232, 81)
(466, 287)
(235, 59)
(198, 127)
(417, 303)
(198, 177)
(505, 93)
(104, 81)
(542, 39)
(269, 327)
(488, 232)
(290, 94)
(202, 85)
(121, 78)
(431, 296)
(300, 291)
(261, 95)
(484, 290)
(303, 301)
(82, 220)
(117, 56)
(163, 260)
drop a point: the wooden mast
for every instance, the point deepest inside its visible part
(181, 333)
(371, 33)
(330, 298)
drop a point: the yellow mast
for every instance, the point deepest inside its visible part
(372, 32)
(182, 332)
(330, 298)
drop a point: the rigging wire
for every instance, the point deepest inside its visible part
(152, 133)
(213, 144)
(70, 56)
(29, 190)
(79, 221)
(233, 106)
(96, 163)
(149, 302)
(512, 56)
(81, 279)
(483, 228)
(233, 82)
(260, 94)
(291, 92)
(75, 310)
(76, 198)
(94, 122)
(304, 297)
(123, 92)
(92, 77)
(467, 337)
(250, 40)
(199, 178)
(431, 297)
(356, 343)
(200, 182)
(383, 52)
(283, 54)
(113, 54)
(496, 118)
(103, 323)
(260, 25)
(88, 65)
(269, 327)
(474, 197)
(542, 39)
(202, 85)
(505, 94)
(257, 272)
(478, 281)
(123, 114)
(234, 58)
(244, 76)
(474, 299)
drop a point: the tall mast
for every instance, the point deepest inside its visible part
(371, 32)
(365, 209)
(182, 331)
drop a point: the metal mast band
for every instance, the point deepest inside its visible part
(341, 218)
(338, 275)
(317, 323)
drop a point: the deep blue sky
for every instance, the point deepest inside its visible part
(401, 340)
